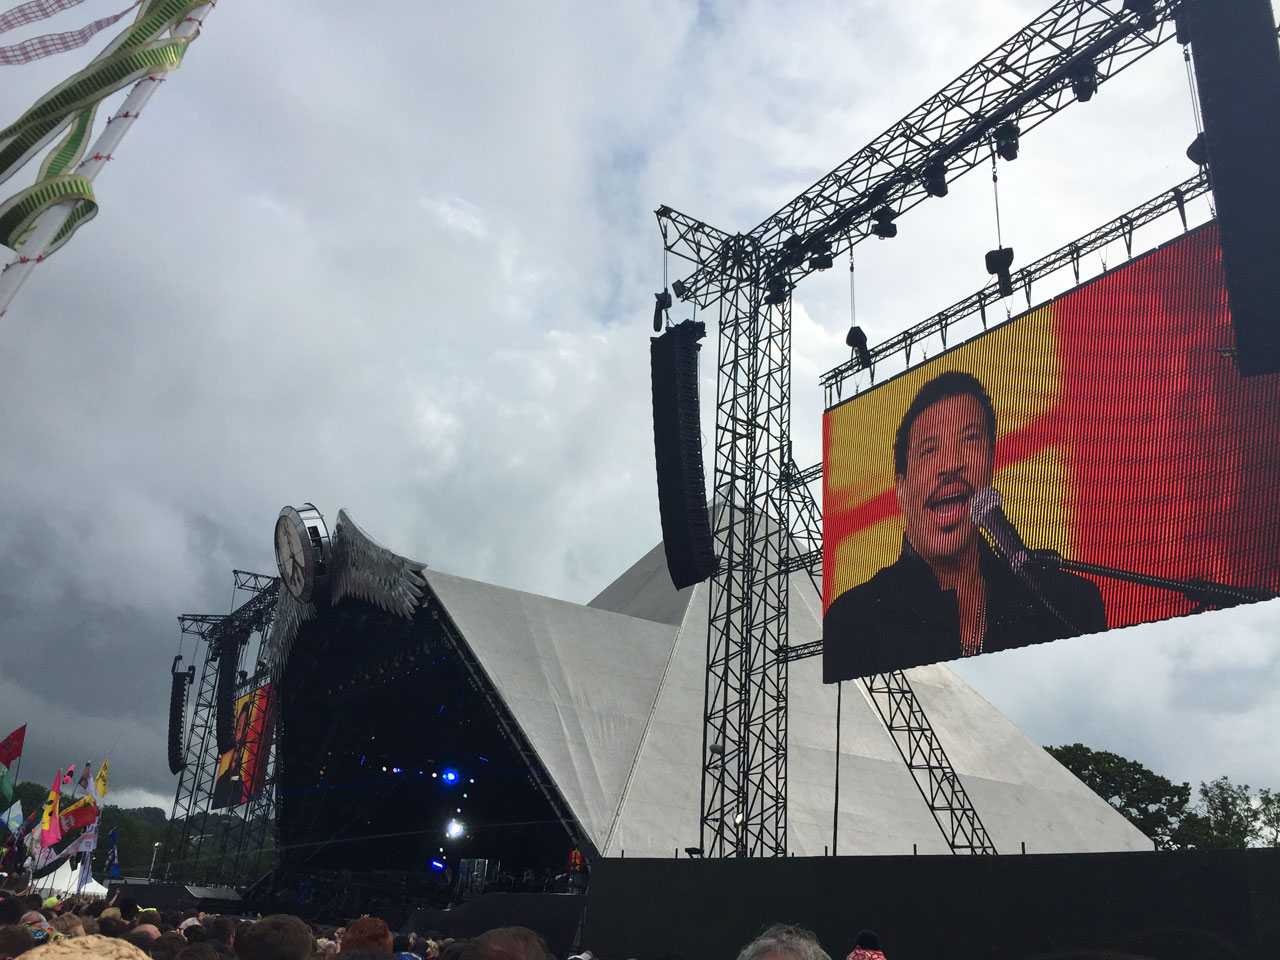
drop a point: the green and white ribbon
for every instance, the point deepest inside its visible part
(141, 51)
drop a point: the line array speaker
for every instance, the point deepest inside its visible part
(677, 432)
(225, 697)
(177, 711)
(1237, 68)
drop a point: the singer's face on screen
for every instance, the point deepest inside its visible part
(949, 458)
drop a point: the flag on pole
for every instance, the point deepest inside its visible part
(87, 841)
(50, 828)
(11, 746)
(69, 775)
(6, 783)
(80, 814)
(100, 781)
(85, 777)
(12, 818)
(113, 857)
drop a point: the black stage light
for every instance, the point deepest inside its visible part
(1084, 80)
(777, 291)
(934, 178)
(663, 303)
(820, 255)
(883, 225)
(1006, 138)
(1145, 9)
(856, 340)
(1198, 152)
(677, 287)
(998, 263)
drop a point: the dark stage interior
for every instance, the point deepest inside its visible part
(394, 763)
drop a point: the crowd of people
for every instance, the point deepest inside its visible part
(78, 928)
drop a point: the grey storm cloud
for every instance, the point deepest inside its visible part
(400, 258)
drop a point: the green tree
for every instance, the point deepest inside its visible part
(1224, 819)
(1152, 803)
(1269, 817)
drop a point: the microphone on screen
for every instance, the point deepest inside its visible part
(986, 512)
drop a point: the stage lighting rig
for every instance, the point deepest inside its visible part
(998, 263)
(820, 256)
(1084, 80)
(1146, 11)
(882, 223)
(934, 179)
(1006, 139)
(776, 290)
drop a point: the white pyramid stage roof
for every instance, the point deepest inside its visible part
(610, 698)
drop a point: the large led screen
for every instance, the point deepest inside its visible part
(1094, 463)
(242, 770)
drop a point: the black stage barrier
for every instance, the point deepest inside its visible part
(554, 915)
(1200, 905)
(176, 897)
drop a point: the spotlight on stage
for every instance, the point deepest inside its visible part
(450, 776)
(882, 223)
(934, 178)
(856, 340)
(453, 830)
(1006, 138)
(777, 291)
(437, 865)
(1084, 80)
(998, 263)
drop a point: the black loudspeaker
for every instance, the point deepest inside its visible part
(225, 697)
(177, 711)
(1237, 66)
(677, 431)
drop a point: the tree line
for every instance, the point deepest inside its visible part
(1224, 815)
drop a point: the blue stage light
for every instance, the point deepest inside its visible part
(451, 776)
(437, 865)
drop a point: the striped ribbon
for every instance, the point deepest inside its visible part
(35, 10)
(48, 44)
(140, 51)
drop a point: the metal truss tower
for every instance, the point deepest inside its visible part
(203, 845)
(1062, 56)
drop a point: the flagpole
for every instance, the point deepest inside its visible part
(51, 221)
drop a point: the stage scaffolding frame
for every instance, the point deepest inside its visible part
(203, 845)
(1075, 45)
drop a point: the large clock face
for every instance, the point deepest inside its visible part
(292, 556)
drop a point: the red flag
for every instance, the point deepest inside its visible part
(11, 746)
(80, 814)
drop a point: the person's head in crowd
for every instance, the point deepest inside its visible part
(168, 945)
(277, 937)
(142, 939)
(326, 948)
(11, 911)
(69, 925)
(33, 916)
(866, 946)
(50, 903)
(113, 912)
(223, 930)
(401, 943)
(95, 909)
(32, 901)
(128, 909)
(784, 942)
(90, 948)
(366, 953)
(510, 943)
(112, 926)
(367, 933)
(197, 933)
(149, 916)
(91, 927)
(15, 939)
(146, 929)
(196, 951)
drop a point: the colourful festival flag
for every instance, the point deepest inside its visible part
(11, 746)
(50, 828)
(100, 781)
(80, 814)
(113, 857)
(6, 783)
(83, 784)
(69, 775)
(12, 818)
(87, 841)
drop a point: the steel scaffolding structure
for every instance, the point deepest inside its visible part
(203, 845)
(1063, 55)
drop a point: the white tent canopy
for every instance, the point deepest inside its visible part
(66, 879)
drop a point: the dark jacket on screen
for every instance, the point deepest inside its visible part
(901, 618)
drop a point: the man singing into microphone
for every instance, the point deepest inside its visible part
(949, 594)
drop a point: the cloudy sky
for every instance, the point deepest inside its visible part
(400, 258)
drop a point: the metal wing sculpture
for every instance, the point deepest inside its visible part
(291, 614)
(365, 569)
